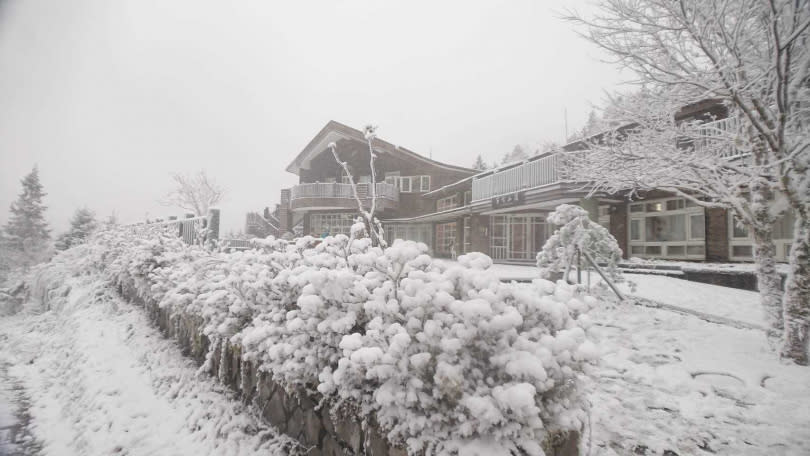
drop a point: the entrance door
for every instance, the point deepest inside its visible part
(518, 244)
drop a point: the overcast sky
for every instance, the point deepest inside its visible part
(110, 97)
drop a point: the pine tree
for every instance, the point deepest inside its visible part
(479, 163)
(518, 153)
(26, 235)
(82, 225)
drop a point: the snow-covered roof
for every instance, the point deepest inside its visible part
(334, 131)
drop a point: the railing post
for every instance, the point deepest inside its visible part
(213, 224)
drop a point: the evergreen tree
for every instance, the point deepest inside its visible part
(518, 153)
(82, 225)
(26, 235)
(479, 163)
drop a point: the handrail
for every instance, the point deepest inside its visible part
(534, 173)
(338, 190)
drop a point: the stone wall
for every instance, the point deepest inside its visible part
(294, 413)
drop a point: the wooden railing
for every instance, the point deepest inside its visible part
(335, 190)
(535, 173)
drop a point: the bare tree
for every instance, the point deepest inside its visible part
(374, 225)
(195, 193)
(754, 56)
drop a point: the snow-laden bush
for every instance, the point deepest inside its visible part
(440, 355)
(577, 233)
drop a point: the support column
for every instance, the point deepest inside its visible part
(592, 206)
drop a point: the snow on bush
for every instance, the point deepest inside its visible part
(576, 232)
(443, 356)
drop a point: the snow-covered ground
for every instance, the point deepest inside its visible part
(102, 381)
(675, 382)
(732, 303)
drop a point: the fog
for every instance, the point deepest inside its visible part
(109, 98)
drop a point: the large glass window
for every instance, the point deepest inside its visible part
(667, 228)
(742, 240)
(697, 227)
(417, 232)
(322, 225)
(516, 237)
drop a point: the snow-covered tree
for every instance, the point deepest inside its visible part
(373, 224)
(26, 235)
(754, 57)
(196, 193)
(575, 234)
(82, 225)
(518, 153)
(479, 163)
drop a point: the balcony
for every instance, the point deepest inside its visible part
(718, 136)
(535, 173)
(318, 196)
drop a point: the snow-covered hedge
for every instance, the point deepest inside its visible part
(442, 355)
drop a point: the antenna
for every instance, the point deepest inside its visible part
(565, 116)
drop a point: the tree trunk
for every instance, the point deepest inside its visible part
(797, 295)
(769, 284)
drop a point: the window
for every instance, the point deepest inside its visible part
(517, 237)
(696, 250)
(425, 184)
(635, 230)
(741, 239)
(330, 224)
(742, 251)
(392, 178)
(446, 237)
(413, 184)
(697, 227)
(448, 203)
(405, 184)
(467, 233)
(667, 228)
(604, 216)
(467, 197)
(739, 231)
(417, 232)
(654, 207)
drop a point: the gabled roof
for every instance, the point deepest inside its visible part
(334, 131)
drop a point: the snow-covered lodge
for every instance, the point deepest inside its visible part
(500, 212)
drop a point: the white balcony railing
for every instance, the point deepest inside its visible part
(719, 135)
(535, 173)
(335, 190)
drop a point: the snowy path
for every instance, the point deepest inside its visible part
(102, 381)
(675, 382)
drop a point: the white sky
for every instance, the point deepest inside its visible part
(110, 97)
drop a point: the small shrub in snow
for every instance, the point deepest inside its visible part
(577, 233)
